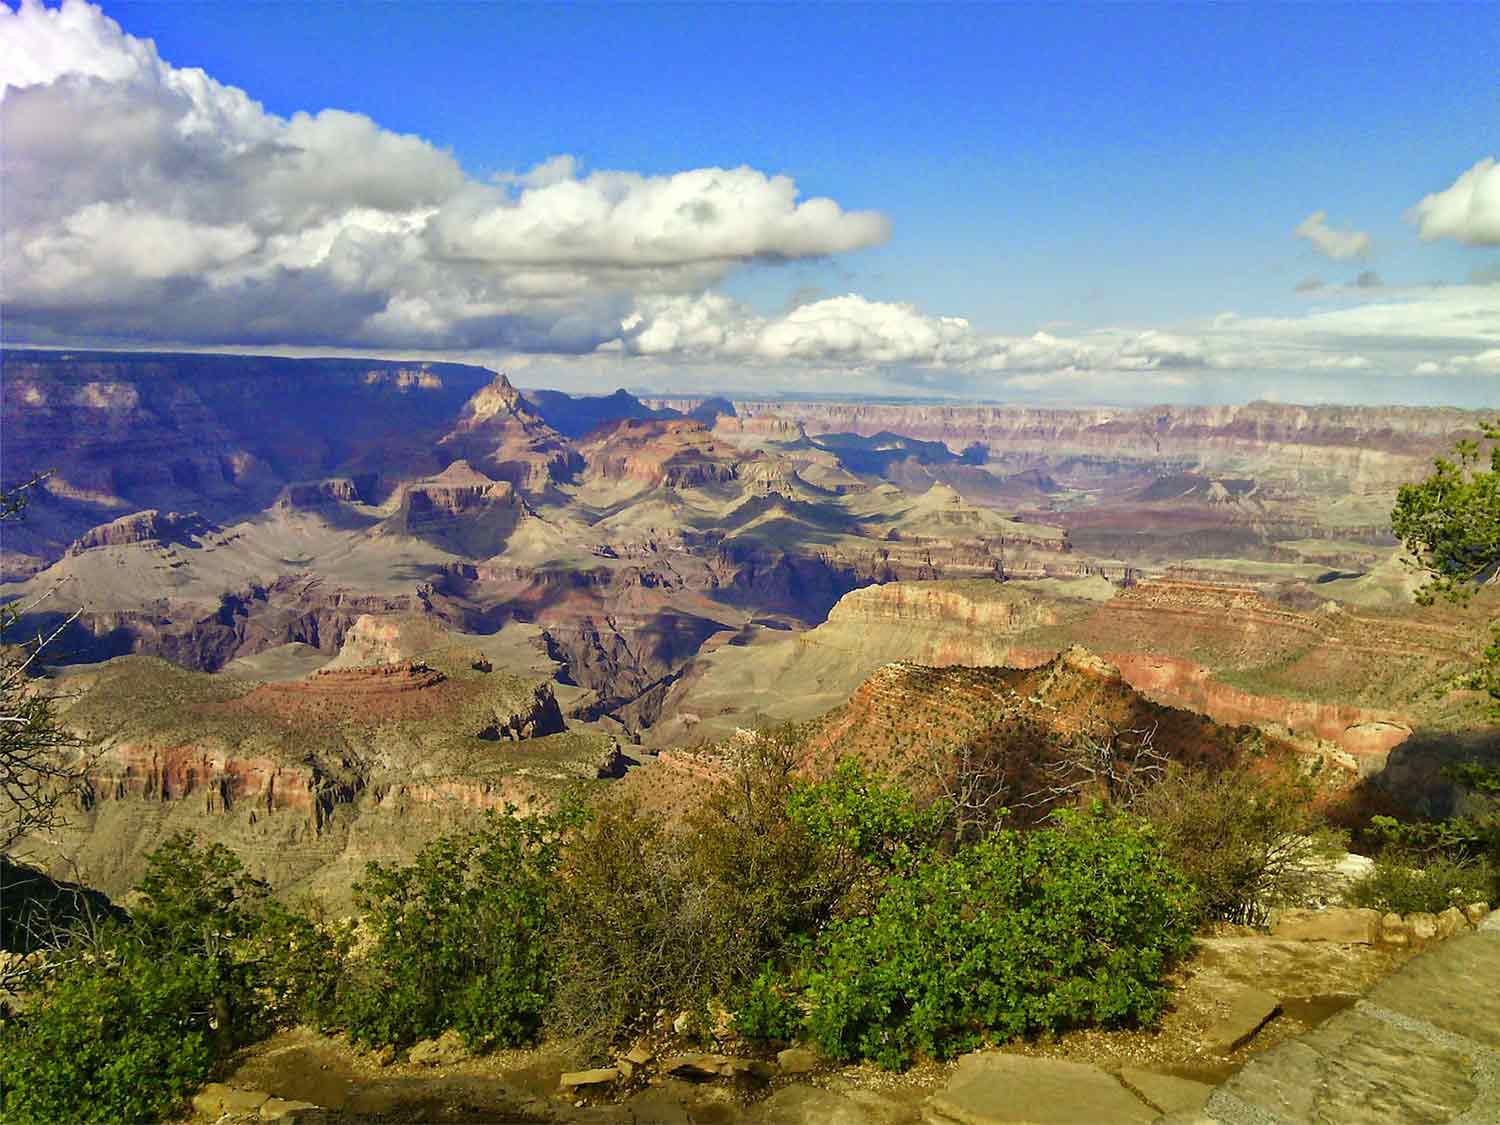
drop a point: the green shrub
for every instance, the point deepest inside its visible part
(1397, 884)
(768, 1010)
(195, 898)
(1248, 839)
(138, 1014)
(301, 961)
(460, 937)
(1024, 931)
(629, 929)
(122, 1038)
(865, 828)
(651, 917)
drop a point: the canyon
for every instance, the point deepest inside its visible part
(318, 609)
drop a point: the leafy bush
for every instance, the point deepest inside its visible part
(123, 1037)
(300, 960)
(653, 918)
(1248, 840)
(138, 1014)
(1397, 884)
(629, 926)
(1024, 931)
(768, 1010)
(865, 829)
(460, 937)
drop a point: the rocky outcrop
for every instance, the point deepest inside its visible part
(318, 494)
(150, 526)
(247, 621)
(460, 509)
(499, 432)
(620, 656)
(1147, 630)
(217, 780)
(905, 716)
(526, 718)
(675, 453)
(1369, 736)
(946, 623)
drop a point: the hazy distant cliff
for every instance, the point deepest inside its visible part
(1374, 446)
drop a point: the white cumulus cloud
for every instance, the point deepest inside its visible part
(1468, 210)
(152, 202)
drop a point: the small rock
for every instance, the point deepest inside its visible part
(694, 1068)
(681, 1024)
(1449, 923)
(808, 1105)
(722, 1021)
(283, 1109)
(756, 1071)
(1167, 1092)
(384, 1056)
(216, 1099)
(1249, 1010)
(603, 1076)
(626, 1068)
(797, 1060)
(705, 1068)
(991, 1088)
(1348, 925)
(1393, 930)
(640, 1054)
(1423, 927)
(1476, 912)
(446, 1048)
(1353, 867)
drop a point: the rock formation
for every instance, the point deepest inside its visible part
(149, 526)
(498, 431)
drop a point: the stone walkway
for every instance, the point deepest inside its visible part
(1422, 1047)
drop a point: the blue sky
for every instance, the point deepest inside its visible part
(1090, 172)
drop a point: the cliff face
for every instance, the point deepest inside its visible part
(215, 781)
(213, 424)
(459, 509)
(498, 431)
(677, 453)
(149, 526)
(309, 777)
(246, 621)
(1369, 446)
(317, 495)
(217, 434)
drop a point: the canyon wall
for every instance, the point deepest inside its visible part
(1364, 445)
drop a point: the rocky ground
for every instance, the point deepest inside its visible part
(1303, 1024)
